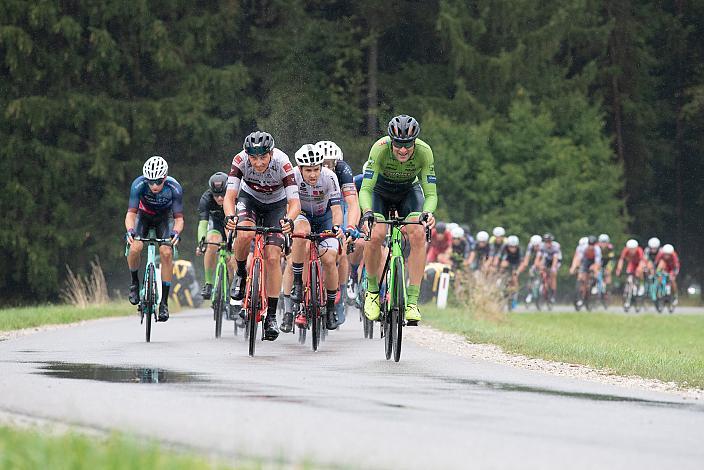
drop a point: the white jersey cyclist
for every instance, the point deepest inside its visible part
(548, 252)
(316, 199)
(275, 184)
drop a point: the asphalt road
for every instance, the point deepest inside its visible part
(343, 406)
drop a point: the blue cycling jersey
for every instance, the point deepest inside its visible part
(169, 198)
(358, 181)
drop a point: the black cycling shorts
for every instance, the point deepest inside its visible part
(263, 215)
(406, 202)
(161, 223)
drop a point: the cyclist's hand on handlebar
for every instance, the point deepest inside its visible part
(429, 219)
(286, 225)
(338, 232)
(367, 219)
(230, 222)
(353, 232)
(129, 236)
(200, 249)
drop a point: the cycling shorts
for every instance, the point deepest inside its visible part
(217, 225)
(161, 223)
(586, 264)
(406, 202)
(320, 224)
(262, 214)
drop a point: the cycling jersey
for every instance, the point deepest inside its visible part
(553, 250)
(358, 182)
(650, 254)
(393, 180)
(481, 254)
(513, 258)
(672, 262)
(592, 254)
(632, 257)
(212, 212)
(607, 253)
(439, 243)
(532, 251)
(345, 178)
(317, 199)
(495, 248)
(170, 198)
(275, 184)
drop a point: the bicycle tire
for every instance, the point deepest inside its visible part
(538, 300)
(627, 297)
(302, 335)
(218, 303)
(150, 297)
(400, 310)
(314, 307)
(253, 306)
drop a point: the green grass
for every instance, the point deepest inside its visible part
(665, 347)
(29, 317)
(27, 449)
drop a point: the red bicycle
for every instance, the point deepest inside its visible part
(314, 291)
(255, 302)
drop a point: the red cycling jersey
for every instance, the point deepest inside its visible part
(672, 262)
(633, 258)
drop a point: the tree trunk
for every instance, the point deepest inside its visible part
(372, 89)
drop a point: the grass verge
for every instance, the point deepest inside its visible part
(664, 347)
(27, 449)
(30, 317)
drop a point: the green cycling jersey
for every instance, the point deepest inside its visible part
(384, 173)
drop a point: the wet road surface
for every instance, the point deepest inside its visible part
(343, 405)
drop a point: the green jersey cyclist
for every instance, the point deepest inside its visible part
(400, 173)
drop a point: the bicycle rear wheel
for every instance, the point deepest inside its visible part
(314, 306)
(399, 310)
(150, 299)
(218, 303)
(253, 306)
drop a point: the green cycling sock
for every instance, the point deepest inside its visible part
(372, 283)
(412, 294)
(208, 276)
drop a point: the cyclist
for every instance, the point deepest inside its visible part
(479, 256)
(460, 248)
(510, 259)
(333, 159)
(400, 172)
(156, 202)
(496, 245)
(319, 193)
(651, 252)
(633, 254)
(532, 251)
(590, 260)
(211, 226)
(607, 257)
(668, 261)
(577, 258)
(260, 184)
(549, 259)
(440, 246)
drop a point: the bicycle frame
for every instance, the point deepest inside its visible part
(257, 255)
(221, 286)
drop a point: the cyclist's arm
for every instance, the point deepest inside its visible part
(234, 179)
(289, 181)
(336, 214)
(130, 220)
(203, 215)
(349, 193)
(428, 183)
(370, 176)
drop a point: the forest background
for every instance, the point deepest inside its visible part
(572, 116)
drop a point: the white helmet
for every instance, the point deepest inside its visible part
(632, 244)
(457, 232)
(654, 243)
(482, 236)
(536, 240)
(584, 241)
(155, 168)
(499, 232)
(604, 238)
(329, 149)
(451, 226)
(668, 249)
(308, 155)
(512, 240)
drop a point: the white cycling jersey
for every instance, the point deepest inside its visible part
(548, 252)
(273, 185)
(316, 199)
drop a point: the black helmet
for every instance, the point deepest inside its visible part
(218, 183)
(258, 143)
(403, 128)
(440, 227)
(548, 237)
(591, 240)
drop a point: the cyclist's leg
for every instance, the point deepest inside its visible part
(299, 255)
(246, 217)
(210, 259)
(373, 259)
(411, 208)
(328, 250)
(271, 215)
(134, 258)
(163, 230)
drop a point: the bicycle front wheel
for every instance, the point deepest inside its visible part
(218, 303)
(399, 310)
(314, 306)
(150, 299)
(253, 304)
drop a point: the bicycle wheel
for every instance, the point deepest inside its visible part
(253, 306)
(314, 306)
(301, 335)
(218, 304)
(397, 318)
(627, 297)
(150, 299)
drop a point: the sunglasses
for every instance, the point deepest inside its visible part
(156, 182)
(405, 145)
(257, 151)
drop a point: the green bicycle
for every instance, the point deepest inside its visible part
(149, 293)
(393, 276)
(221, 285)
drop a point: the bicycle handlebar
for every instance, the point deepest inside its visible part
(247, 228)
(315, 236)
(399, 222)
(152, 240)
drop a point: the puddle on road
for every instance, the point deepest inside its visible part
(117, 374)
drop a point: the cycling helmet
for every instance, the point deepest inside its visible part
(155, 168)
(482, 236)
(632, 244)
(258, 143)
(536, 240)
(458, 232)
(654, 243)
(512, 240)
(308, 155)
(329, 149)
(440, 227)
(218, 183)
(668, 249)
(403, 128)
(499, 232)
(604, 238)
(548, 237)
(584, 241)
(591, 240)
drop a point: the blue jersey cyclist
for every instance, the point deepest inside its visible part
(156, 202)
(333, 159)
